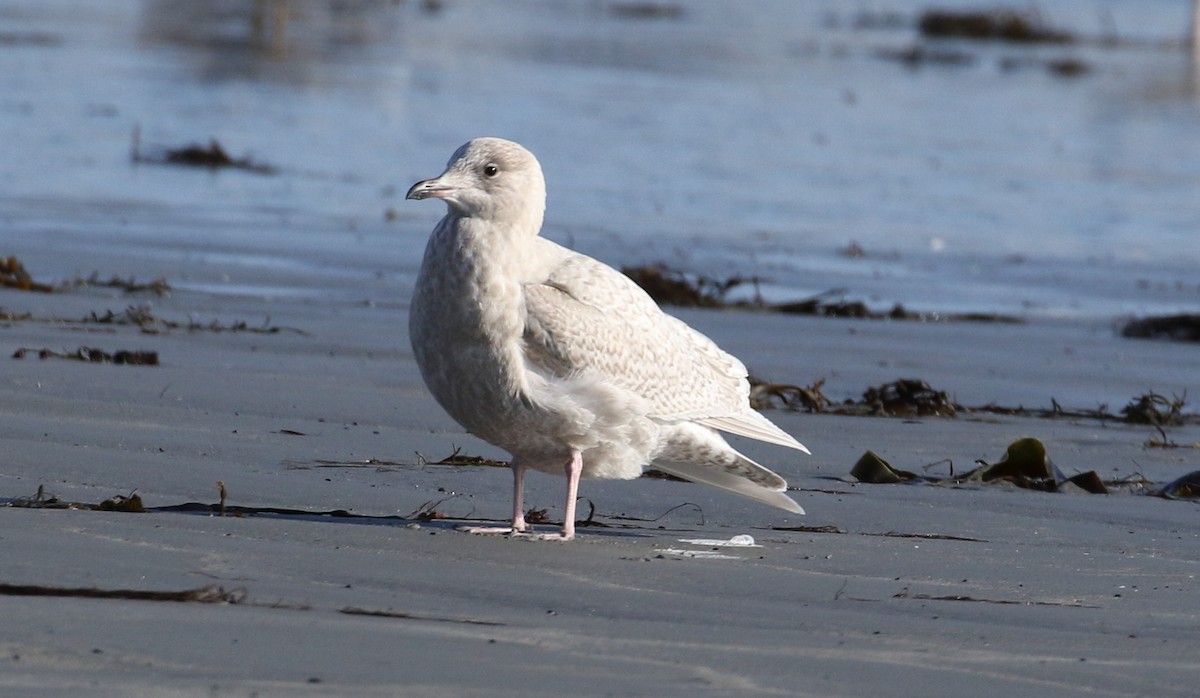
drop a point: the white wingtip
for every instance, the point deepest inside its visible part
(787, 504)
(753, 425)
(731, 483)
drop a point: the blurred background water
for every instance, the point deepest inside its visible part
(762, 139)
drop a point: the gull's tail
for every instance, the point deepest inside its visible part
(697, 453)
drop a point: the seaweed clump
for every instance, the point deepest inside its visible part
(669, 286)
(95, 356)
(1155, 409)
(906, 397)
(1184, 327)
(909, 397)
(212, 156)
(645, 10)
(996, 25)
(14, 275)
(1024, 465)
(999, 25)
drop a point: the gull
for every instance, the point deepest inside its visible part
(563, 361)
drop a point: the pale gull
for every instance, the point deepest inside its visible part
(563, 361)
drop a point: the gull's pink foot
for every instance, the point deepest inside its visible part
(491, 530)
(561, 536)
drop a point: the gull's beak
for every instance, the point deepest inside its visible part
(431, 189)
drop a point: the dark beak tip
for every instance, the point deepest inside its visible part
(427, 189)
(417, 192)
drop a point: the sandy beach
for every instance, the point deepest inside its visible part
(920, 589)
(283, 367)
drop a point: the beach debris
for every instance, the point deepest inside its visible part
(354, 611)
(908, 397)
(669, 286)
(129, 505)
(158, 286)
(537, 516)
(380, 466)
(1088, 481)
(626, 517)
(1185, 487)
(9, 316)
(1154, 409)
(885, 534)
(905, 397)
(713, 548)
(211, 593)
(1013, 27)
(712, 551)
(913, 397)
(853, 250)
(927, 536)
(93, 355)
(820, 306)
(242, 511)
(765, 395)
(990, 25)
(917, 55)
(1025, 465)
(906, 594)
(14, 275)
(1024, 460)
(457, 457)
(377, 464)
(429, 511)
(1184, 327)
(739, 541)
(39, 500)
(213, 156)
(673, 287)
(695, 554)
(1165, 441)
(872, 469)
(145, 320)
(809, 529)
(1066, 67)
(645, 10)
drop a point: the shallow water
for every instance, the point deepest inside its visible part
(754, 139)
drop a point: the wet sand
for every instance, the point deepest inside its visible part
(915, 590)
(903, 590)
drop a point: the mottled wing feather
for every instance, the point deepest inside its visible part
(588, 317)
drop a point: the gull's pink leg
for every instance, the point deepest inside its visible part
(573, 470)
(518, 517)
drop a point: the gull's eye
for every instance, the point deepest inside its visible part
(491, 170)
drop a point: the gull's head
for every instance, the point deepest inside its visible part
(491, 179)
